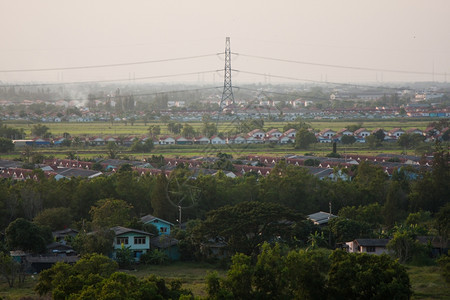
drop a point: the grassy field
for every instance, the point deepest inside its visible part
(238, 151)
(427, 283)
(120, 129)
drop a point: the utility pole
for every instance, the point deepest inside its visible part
(227, 95)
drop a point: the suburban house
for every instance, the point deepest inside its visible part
(217, 140)
(256, 133)
(362, 132)
(273, 132)
(96, 141)
(62, 235)
(166, 140)
(201, 140)
(183, 141)
(327, 133)
(396, 132)
(344, 131)
(291, 133)
(137, 241)
(370, 246)
(414, 131)
(162, 225)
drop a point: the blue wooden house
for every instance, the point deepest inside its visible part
(162, 225)
(163, 242)
(137, 240)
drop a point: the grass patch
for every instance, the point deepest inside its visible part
(19, 291)
(427, 283)
(191, 274)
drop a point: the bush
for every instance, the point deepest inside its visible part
(155, 257)
(444, 264)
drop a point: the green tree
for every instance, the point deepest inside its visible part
(188, 131)
(112, 150)
(348, 139)
(404, 244)
(365, 276)
(209, 129)
(10, 269)
(442, 224)
(139, 146)
(40, 130)
(162, 206)
(6, 145)
(247, 225)
(345, 230)
(124, 257)
(110, 212)
(24, 235)
(154, 130)
(239, 277)
(379, 135)
(55, 218)
(304, 138)
(63, 280)
(174, 128)
(372, 141)
(430, 192)
(99, 241)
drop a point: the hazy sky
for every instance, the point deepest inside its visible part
(409, 35)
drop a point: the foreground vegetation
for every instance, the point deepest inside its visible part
(426, 281)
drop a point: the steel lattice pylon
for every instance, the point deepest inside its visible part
(227, 95)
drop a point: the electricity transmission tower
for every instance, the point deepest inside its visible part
(227, 94)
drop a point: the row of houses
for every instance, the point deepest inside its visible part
(329, 135)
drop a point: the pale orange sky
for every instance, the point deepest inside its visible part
(409, 35)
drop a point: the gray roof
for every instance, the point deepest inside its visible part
(149, 218)
(7, 164)
(119, 230)
(321, 217)
(163, 241)
(372, 242)
(69, 172)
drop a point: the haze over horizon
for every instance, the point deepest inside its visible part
(288, 41)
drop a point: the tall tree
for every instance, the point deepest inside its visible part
(24, 235)
(304, 138)
(246, 225)
(111, 212)
(6, 145)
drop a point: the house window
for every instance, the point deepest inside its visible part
(163, 229)
(370, 249)
(139, 240)
(122, 240)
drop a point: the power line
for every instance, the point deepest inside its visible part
(110, 65)
(316, 81)
(340, 66)
(111, 80)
